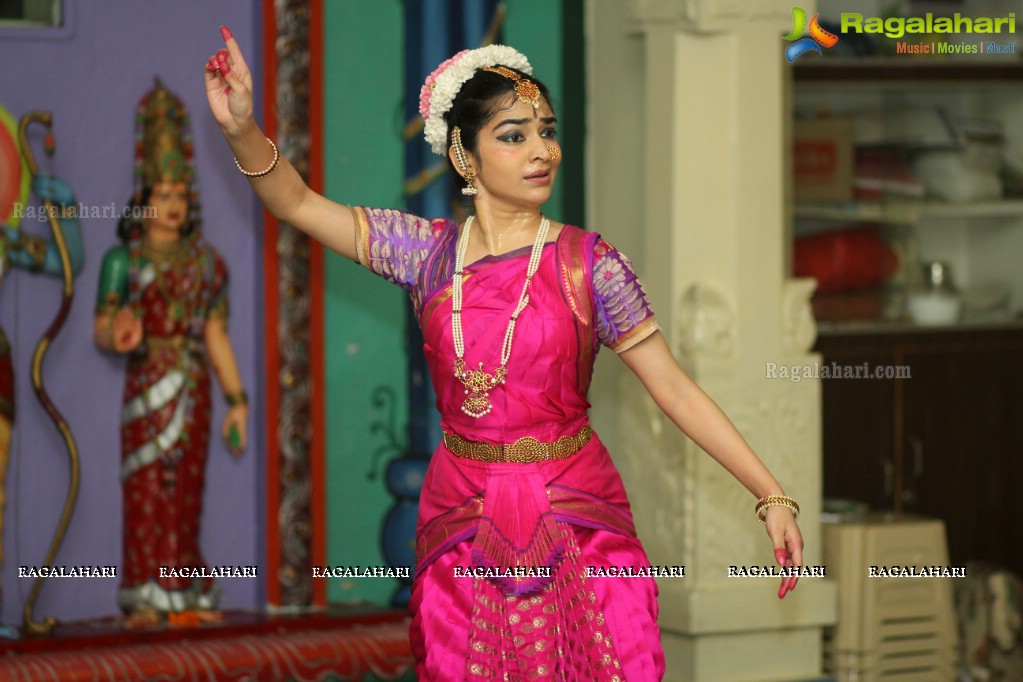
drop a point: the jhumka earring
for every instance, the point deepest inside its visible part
(463, 163)
(554, 153)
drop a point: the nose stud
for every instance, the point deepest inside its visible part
(554, 153)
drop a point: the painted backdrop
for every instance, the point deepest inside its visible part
(91, 75)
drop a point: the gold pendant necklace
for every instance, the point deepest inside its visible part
(478, 382)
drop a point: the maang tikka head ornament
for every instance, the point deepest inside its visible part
(441, 87)
(525, 89)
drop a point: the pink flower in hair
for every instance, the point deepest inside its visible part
(431, 81)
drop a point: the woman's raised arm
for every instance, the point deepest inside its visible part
(282, 190)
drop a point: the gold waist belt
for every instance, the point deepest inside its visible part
(525, 450)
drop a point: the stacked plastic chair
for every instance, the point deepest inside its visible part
(890, 629)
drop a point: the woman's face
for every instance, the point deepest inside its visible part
(169, 204)
(513, 162)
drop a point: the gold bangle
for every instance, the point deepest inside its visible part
(267, 171)
(775, 501)
(235, 399)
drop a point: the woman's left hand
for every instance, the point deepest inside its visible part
(788, 543)
(236, 420)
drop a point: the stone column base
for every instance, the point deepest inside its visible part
(744, 633)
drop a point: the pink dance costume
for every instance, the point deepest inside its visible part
(502, 589)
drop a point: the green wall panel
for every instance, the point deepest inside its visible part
(533, 27)
(364, 316)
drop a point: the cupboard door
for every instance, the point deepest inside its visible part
(858, 426)
(964, 442)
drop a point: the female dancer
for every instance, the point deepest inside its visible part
(521, 498)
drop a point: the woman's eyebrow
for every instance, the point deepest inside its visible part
(512, 122)
(548, 120)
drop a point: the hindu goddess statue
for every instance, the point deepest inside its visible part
(162, 302)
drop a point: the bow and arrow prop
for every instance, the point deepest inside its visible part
(45, 627)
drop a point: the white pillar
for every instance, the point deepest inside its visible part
(688, 140)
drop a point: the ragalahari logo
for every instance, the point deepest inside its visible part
(817, 39)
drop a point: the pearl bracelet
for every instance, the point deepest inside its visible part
(267, 171)
(775, 501)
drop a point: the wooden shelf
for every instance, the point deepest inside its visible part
(910, 69)
(889, 327)
(909, 212)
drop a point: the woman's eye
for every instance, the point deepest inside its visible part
(550, 132)
(512, 137)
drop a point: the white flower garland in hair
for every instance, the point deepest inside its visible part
(441, 86)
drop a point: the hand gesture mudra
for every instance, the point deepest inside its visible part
(788, 544)
(229, 86)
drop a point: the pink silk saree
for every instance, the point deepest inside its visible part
(560, 518)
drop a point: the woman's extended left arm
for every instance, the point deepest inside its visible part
(702, 420)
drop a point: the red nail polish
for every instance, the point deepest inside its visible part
(780, 555)
(221, 55)
(225, 33)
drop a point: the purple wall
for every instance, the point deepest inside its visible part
(91, 77)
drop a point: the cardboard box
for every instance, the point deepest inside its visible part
(822, 151)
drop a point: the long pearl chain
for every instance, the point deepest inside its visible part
(477, 382)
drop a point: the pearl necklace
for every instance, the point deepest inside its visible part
(477, 382)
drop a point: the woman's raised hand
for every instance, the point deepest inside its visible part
(283, 191)
(229, 87)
